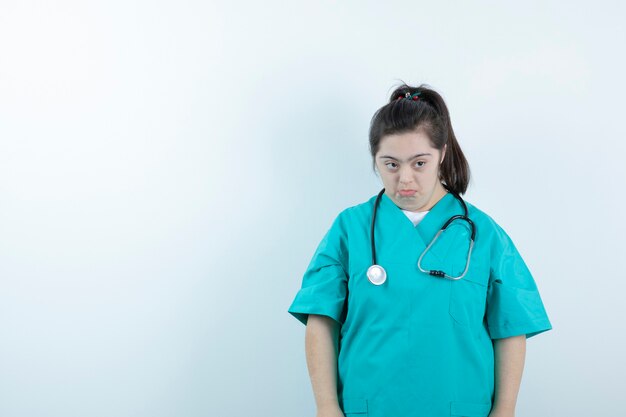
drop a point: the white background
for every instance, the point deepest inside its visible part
(167, 169)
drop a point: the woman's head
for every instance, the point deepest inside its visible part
(414, 147)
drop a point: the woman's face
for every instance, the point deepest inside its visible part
(409, 168)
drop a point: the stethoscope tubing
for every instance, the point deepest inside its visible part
(377, 274)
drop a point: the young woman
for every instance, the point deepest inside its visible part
(404, 319)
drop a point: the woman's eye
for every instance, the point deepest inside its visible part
(391, 163)
(420, 162)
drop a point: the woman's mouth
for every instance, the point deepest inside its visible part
(406, 193)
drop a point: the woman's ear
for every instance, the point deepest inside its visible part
(443, 153)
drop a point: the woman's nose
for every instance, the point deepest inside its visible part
(406, 176)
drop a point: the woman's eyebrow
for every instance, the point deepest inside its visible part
(396, 159)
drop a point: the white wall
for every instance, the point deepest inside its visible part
(167, 169)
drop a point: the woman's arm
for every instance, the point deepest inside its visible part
(321, 345)
(509, 355)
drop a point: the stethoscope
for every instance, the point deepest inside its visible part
(377, 274)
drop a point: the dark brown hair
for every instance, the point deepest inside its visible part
(430, 115)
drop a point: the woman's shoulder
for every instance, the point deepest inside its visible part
(354, 215)
(362, 207)
(478, 215)
(486, 223)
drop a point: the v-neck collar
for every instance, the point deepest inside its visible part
(432, 221)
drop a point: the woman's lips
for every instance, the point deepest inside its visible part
(406, 193)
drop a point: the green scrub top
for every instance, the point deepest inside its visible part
(419, 345)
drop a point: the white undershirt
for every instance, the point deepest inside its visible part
(415, 217)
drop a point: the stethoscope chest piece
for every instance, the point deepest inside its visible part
(376, 274)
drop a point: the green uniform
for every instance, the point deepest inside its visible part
(419, 345)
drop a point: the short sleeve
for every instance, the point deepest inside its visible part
(325, 282)
(514, 305)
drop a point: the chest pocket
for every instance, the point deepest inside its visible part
(468, 294)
